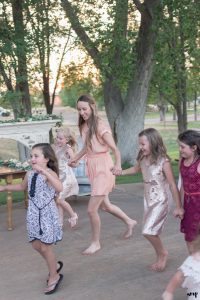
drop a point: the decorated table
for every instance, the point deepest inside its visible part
(8, 174)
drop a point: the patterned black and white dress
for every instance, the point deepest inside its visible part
(42, 215)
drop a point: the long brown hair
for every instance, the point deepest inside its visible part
(93, 120)
(48, 153)
(157, 147)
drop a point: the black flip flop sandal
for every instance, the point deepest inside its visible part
(55, 285)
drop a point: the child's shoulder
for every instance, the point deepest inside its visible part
(165, 159)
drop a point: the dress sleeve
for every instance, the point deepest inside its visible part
(103, 128)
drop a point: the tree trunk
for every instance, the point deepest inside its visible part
(127, 120)
(46, 95)
(180, 119)
(22, 74)
(195, 105)
(126, 116)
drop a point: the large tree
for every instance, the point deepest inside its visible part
(13, 58)
(122, 49)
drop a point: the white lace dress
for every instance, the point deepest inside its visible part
(191, 272)
(66, 173)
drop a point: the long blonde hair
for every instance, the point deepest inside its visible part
(92, 122)
(71, 140)
(157, 147)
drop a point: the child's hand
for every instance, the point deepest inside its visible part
(167, 296)
(179, 213)
(73, 163)
(38, 169)
(117, 171)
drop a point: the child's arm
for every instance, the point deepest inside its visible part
(70, 152)
(15, 187)
(51, 176)
(132, 170)
(178, 212)
(74, 160)
(175, 282)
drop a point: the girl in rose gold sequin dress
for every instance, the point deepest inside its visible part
(159, 186)
(189, 145)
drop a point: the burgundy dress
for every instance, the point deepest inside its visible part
(190, 225)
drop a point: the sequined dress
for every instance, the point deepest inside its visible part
(66, 174)
(191, 272)
(191, 186)
(157, 196)
(42, 214)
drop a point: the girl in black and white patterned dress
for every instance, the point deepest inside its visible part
(43, 224)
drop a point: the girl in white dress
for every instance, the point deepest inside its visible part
(187, 276)
(63, 148)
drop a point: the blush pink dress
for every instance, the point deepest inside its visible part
(99, 161)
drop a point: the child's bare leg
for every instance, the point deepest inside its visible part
(61, 214)
(93, 207)
(38, 246)
(64, 205)
(175, 282)
(50, 258)
(117, 212)
(161, 252)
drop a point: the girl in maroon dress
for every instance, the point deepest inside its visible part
(189, 146)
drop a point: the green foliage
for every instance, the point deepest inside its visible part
(82, 78)
(177, 52)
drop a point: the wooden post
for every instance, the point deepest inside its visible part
(9, 179)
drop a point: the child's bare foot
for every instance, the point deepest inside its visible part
(129, 231)
(161, 263)
(93, 248)
(73, 221)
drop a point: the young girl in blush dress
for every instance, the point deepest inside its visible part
(189, 146)
(98, 141)
(159, 183)
(64, 152)
(43, 224)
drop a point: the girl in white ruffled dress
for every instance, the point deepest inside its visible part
(187, 276)
(63, 148)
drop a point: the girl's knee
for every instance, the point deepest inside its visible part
(104, 207)
(44, 248)
(36, 245)
(92, 211)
